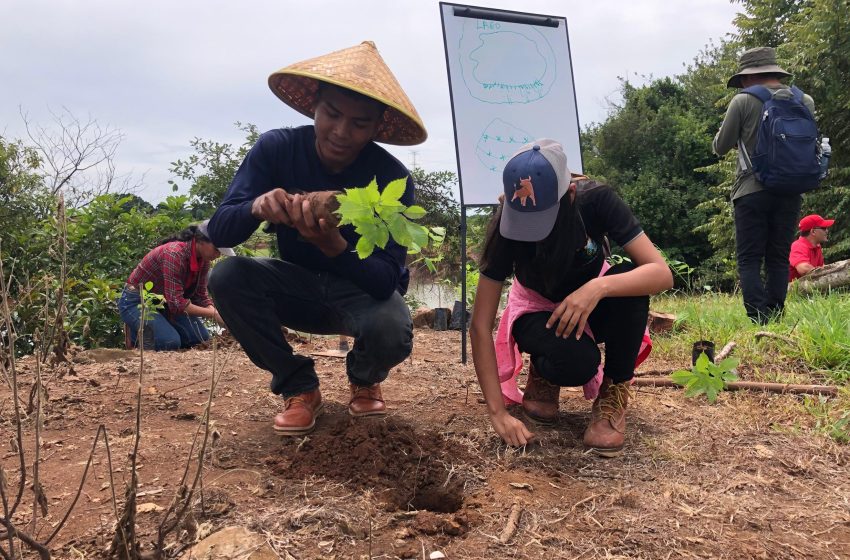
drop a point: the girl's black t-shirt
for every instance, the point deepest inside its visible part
(603, 213)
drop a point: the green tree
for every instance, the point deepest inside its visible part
(211, 168)
(764, 23)
(817, 52)
(648, 149)
(434, 194)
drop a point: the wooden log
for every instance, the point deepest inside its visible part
(747, 385)
(833, 275)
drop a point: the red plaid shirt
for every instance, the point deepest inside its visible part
(167, 266)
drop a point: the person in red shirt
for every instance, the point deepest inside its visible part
(806, 254)
(178, 268)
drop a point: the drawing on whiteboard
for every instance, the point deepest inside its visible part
(498, 143)
(506, 63)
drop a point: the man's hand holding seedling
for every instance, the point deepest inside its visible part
(271, 207)
(314, 225)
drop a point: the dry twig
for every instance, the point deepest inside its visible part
(725, 351)
(513, 522)
(767, 334)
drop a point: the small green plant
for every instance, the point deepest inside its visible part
(151, 300)
(436, 235)
(378, 215)
(705, 377)
(472, 275)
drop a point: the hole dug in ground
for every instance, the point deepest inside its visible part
(407, 468)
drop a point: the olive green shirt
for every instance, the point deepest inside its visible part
(741, 122)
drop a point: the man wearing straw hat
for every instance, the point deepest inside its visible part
(320, 285)
(764, 219)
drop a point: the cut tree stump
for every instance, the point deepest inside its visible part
(423, 317)
(660, 322)
(823, 279)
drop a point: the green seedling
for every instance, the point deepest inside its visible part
(706, 378)
(150, 300)
(378, 215)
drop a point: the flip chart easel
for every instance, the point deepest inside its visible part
(510, 81)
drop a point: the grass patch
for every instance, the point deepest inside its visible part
(814, 334)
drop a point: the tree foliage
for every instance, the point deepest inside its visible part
(210, 169)
(655, 146)
(649, 149)
(434, 193)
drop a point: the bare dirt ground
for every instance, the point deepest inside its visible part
(745, 478)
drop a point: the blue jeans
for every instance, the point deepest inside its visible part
(182, 332)
(256, 296)
(764, 230)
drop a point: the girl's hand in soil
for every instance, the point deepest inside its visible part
(318, 231)
(271, 207)
(571, 315)
(510, 429)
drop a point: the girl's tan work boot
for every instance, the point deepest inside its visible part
(607, 429)
(540, 400)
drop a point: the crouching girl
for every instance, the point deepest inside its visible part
(565, 298)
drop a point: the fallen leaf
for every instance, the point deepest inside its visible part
(763, 451)
(148, 507)
(522, 486)
(436, 555)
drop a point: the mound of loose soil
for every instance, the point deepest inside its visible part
(407, 467)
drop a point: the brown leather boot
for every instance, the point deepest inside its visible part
(299, 414)
(607, 429)
(366, 401)
(540, 400)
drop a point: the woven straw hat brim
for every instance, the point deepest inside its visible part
(359, 69)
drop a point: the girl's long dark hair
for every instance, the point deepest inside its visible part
(553, 255)
(188, 234)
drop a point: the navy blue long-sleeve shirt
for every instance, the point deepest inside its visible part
(286, 158)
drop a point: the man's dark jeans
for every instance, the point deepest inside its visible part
(764, 230)
(256, 296)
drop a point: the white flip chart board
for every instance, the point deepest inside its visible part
(511, 81)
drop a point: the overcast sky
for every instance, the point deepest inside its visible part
(164, 72)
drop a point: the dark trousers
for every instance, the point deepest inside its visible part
(618, 322)
(256, 296)
(764, 230)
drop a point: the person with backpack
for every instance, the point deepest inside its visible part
(773, 127)
(550, 234)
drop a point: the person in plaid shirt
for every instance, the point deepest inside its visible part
(178, 269)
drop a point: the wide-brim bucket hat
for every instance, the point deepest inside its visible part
(760, 60)
(359, 69)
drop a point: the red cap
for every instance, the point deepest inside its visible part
(814, 221)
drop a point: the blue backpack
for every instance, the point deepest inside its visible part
(787, 154)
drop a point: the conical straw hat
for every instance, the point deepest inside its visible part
(360, 69)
